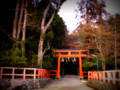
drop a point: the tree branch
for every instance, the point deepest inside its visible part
(24, 23)
(49, 22)
(46, 48)
(15, 19)
(13, 39)
(20, 19)
(51, 19)
(44, 16)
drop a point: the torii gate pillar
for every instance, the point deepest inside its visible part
(80, 67)
(58, 68)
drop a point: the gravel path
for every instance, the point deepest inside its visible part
(68, 82)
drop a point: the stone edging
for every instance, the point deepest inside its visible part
(99, 85)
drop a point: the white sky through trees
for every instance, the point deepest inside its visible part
(67, 12)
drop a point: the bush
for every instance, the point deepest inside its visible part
(47, 62)
(13, 58)
(110, 63)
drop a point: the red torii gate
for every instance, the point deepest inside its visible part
(62, 53)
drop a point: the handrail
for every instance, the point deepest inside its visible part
(111, 76)
(53, 74)
(85, 75)
(37, 73)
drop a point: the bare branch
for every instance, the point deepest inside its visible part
(51, 19)
(49, 22)
(46, 48)
(24, 23)
(44, 16)
(13, 39)
(15, 19)
(20, 19)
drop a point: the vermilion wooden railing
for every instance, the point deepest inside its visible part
(25, 72)
(84, 74)
(111, 76)
(53, 73)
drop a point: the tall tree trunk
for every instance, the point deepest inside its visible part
(41, 41)
(99, 47)
(43, 30)
(103, 61)
(23, 32)
(40, 51)
(15, 20)
(20, 19)
(102, 58)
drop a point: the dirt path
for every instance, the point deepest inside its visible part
(68, 82)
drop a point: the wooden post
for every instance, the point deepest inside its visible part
(99, 73)
(89, 75)
(42, 73)
(48, 74)
(58, 68)
(38, 73)
(104, 79)
(114, 77)
(13, 71)
(80, 68)
(34, 73)
(24, 71)
(93, 75)
(119, 76)
(108, 77)
(1, 71)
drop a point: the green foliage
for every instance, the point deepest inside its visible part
(88, 64)
(109, 61)
(49, 36)
(47, 62)
(92, 64)
(34, 60)
(17, 59)
(13, 58)
(32, 39)
(5, 58)
(59, 30)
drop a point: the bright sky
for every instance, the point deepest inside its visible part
(67, 12)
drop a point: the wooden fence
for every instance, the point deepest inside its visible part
(85, 74)
(24, 73)
(111, 76)
(53, 73)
